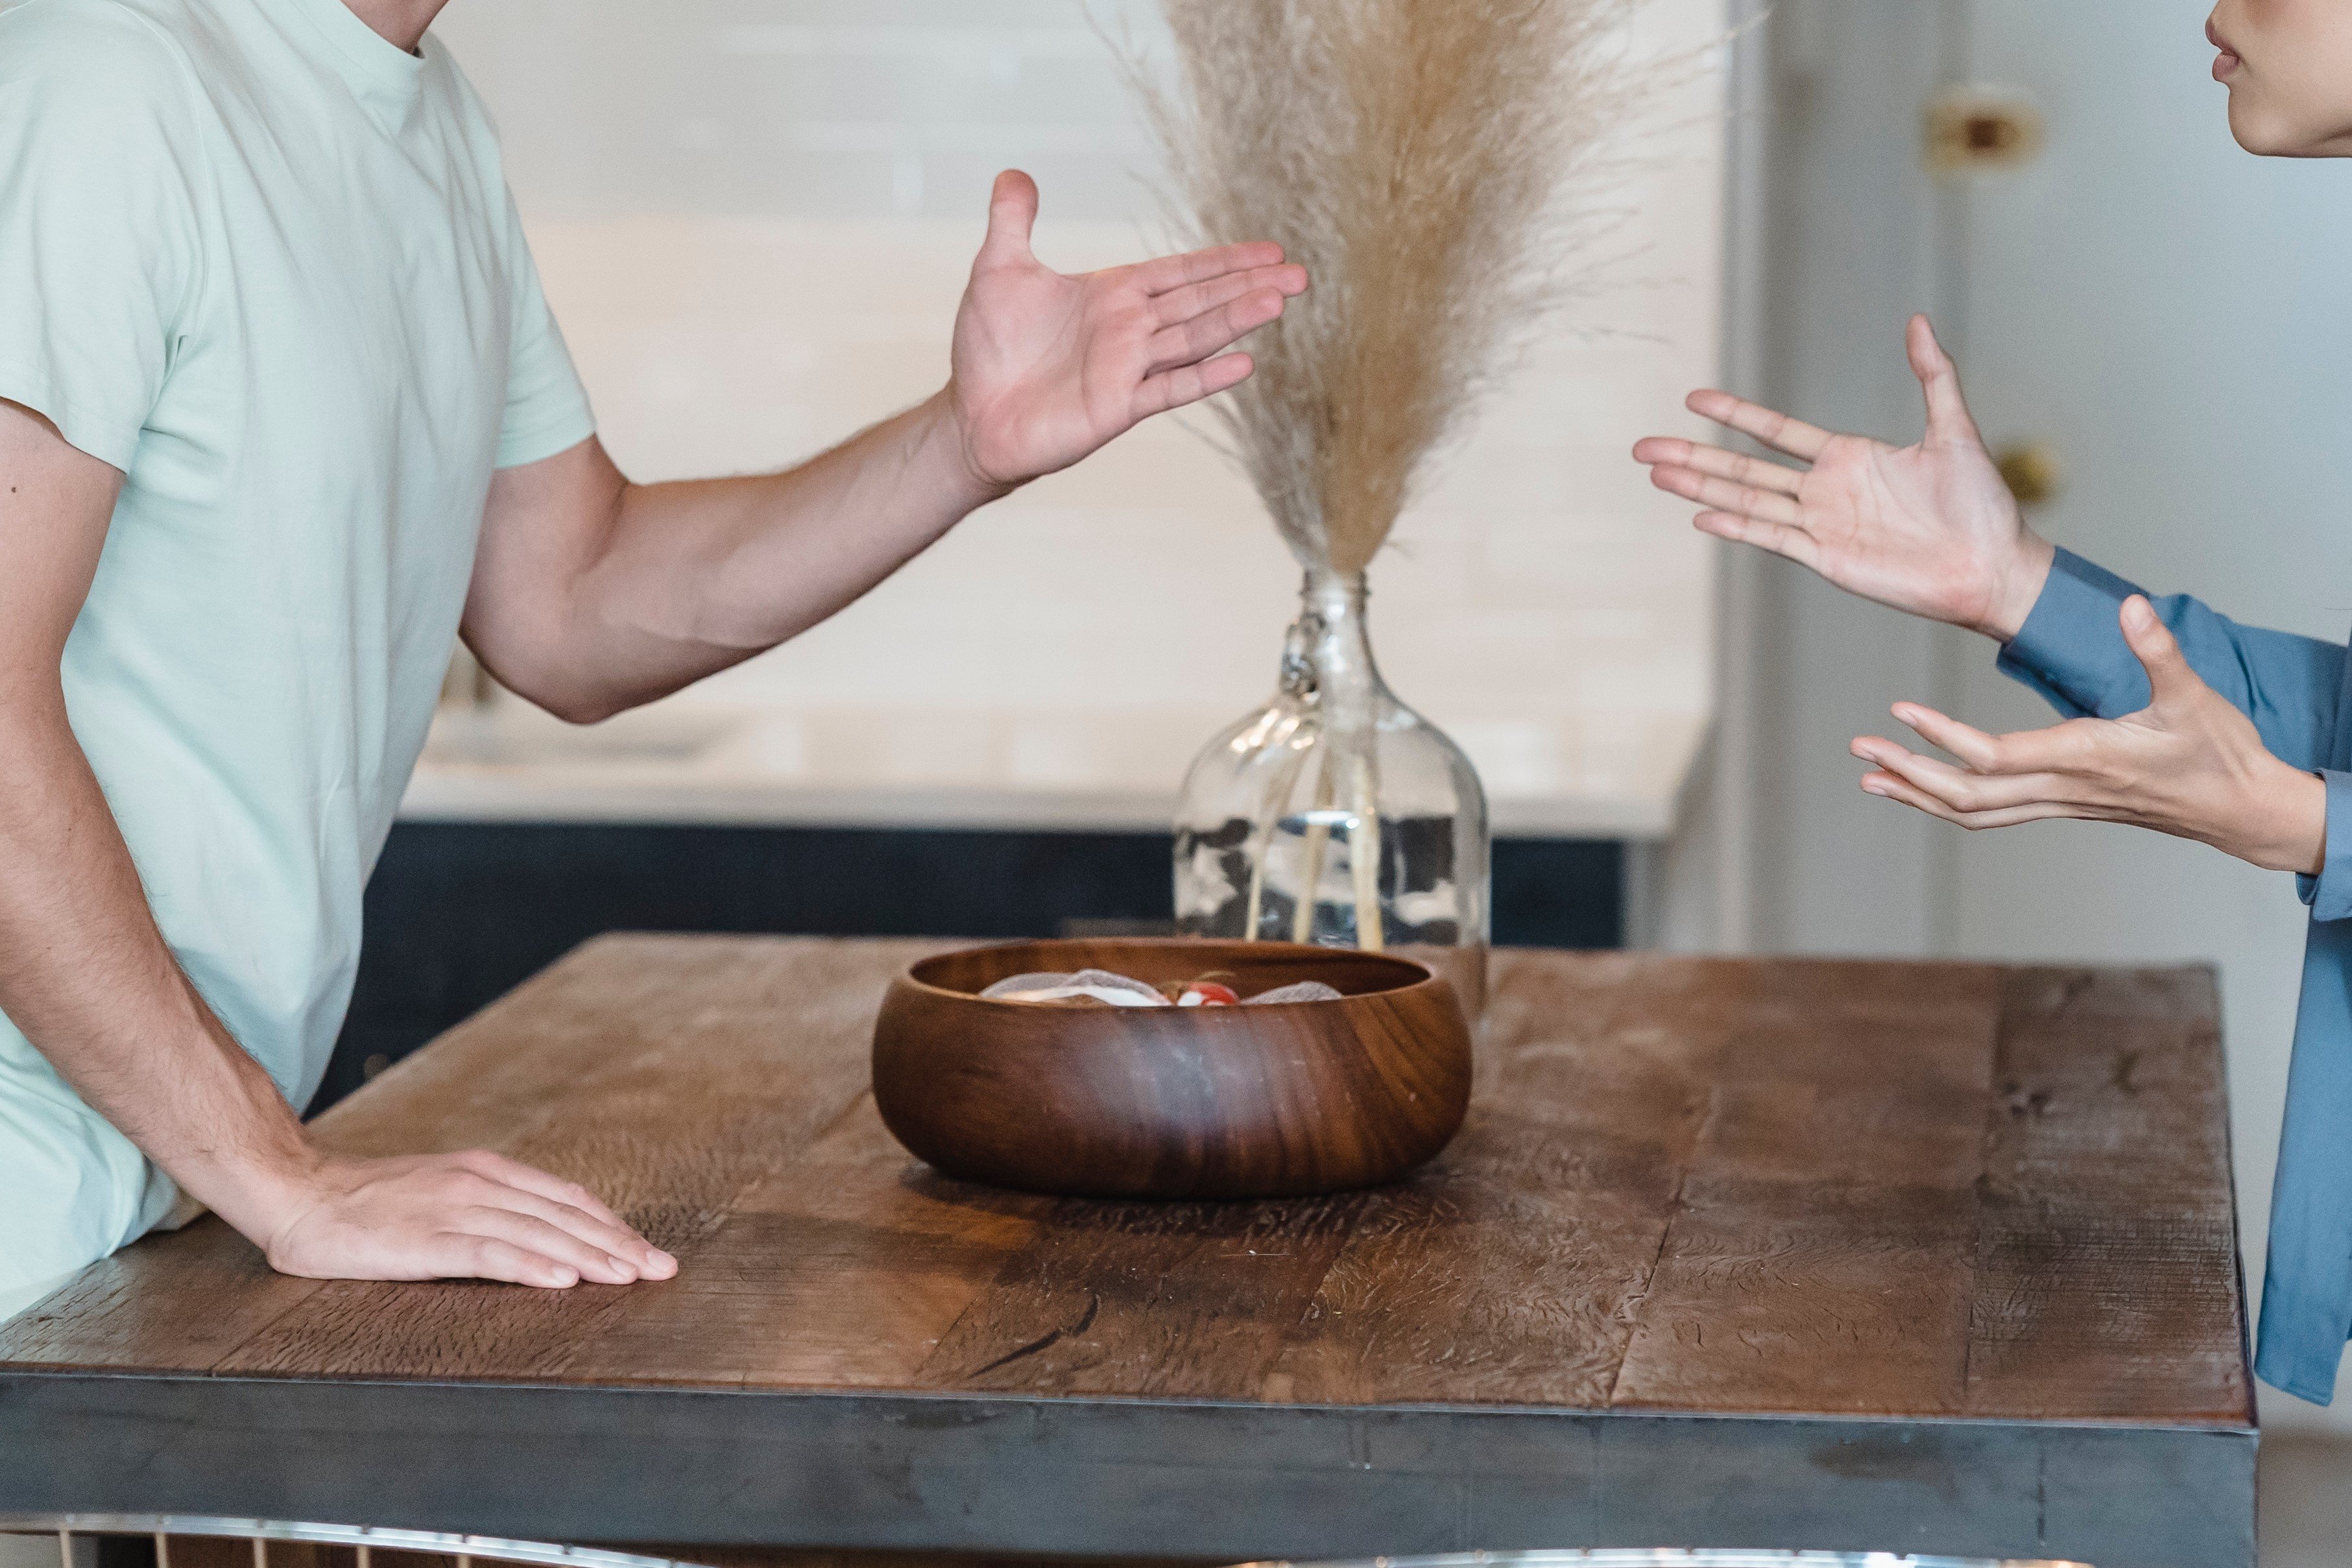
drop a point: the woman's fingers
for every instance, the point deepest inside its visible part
(1972, 746)
(1781, 539)
(1940, 379)
(1191, 342)
(1959, 789)
(1181, 305)
(1725, 496)
(1198, 265)
(1774, 429)
(1672, 451)
(2170, 677)
(1890, 787)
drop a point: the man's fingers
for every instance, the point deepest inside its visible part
(633, 1251)
(1181, 305)
(2170, 676)
(529, 1190)
(1011, 213)
(1726, 495)
(554, 1188)
(552, 1241)
(1774, 429)
(1672, 451)
(466, 1255)
(1194, 341)
(1190, 383)
(1947, 410)
(1781, 539)
(1168, 272)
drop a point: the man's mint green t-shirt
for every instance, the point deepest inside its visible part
(265, 263)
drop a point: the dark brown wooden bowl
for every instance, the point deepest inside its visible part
(1223, 1102)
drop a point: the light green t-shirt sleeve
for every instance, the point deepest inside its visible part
(101, 249)
(547, 407)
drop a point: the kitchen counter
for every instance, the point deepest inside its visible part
(1617, 776)
(1786, 1253)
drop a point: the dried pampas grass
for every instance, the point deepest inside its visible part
(1422, 158)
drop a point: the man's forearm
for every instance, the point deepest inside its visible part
(683, 580)
(90, 981)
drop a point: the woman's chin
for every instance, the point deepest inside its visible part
(2265, 133)
(2259, 134)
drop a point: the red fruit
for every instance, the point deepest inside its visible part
(1213, 995)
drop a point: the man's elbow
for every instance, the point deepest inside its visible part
(579, 708)
(573, 701)
(546, 680)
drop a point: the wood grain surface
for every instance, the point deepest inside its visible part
(1686, 1185)
(1806, 1254)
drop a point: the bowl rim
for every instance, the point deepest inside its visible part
(1428, 976)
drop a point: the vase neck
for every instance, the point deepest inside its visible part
(1330, 646)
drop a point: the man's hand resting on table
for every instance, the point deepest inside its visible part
(476, 1215)
(2188, 764)
(1930, 529)
(89, 978)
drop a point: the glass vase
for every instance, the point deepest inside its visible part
(1335, 815)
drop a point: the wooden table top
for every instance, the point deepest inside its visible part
(1908, 1206)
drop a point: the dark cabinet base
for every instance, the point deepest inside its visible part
(459, 912)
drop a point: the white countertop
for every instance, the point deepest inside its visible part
(1619, 776)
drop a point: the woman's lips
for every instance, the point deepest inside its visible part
(2226, 61)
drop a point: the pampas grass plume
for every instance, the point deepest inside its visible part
(1422, 159)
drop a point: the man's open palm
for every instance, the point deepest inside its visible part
(1048, 368)
(1931, 528)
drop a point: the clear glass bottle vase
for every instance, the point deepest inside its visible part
(1335, 815)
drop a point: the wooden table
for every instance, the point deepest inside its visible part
(1789, 1253)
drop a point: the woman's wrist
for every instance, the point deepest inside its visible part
(2291, 832)
(2019, 587)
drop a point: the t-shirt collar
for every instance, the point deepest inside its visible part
(387, 78)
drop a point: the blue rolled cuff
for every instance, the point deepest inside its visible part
(2330, 893)
(2071, 648)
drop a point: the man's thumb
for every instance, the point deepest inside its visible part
(2152, 642)
(1012, 211)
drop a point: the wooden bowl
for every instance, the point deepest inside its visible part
(1225, 1102)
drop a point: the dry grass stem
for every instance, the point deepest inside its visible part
(1422, 158)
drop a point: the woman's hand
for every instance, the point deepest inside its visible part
(1049, 367)
(1931, 529)
(2189, 764)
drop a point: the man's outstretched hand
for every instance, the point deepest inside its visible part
(1929, 528)
(476, 1215)
(1048, 368)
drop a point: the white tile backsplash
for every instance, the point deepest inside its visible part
(754, 220)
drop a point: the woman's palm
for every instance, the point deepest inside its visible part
(1929, 528)
(1922, 527)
